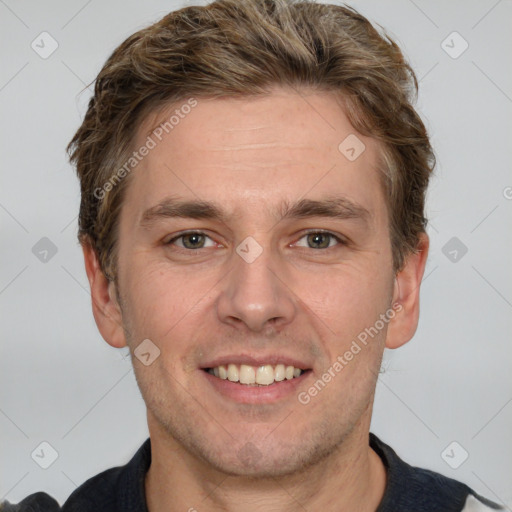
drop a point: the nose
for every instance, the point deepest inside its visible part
(256, 294)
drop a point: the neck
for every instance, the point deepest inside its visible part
(351, 478)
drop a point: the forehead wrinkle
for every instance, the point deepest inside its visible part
(257, 145)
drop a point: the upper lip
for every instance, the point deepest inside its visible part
(252, 360)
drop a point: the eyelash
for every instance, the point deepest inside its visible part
(305, 234)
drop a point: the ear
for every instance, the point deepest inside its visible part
(406, 296)
(105, 307)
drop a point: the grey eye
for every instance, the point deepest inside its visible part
(319, 240)
(193, 241)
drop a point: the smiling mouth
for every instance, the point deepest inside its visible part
(263, 375)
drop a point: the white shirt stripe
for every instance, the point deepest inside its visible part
(474, 505)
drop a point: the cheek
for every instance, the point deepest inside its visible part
(158, 299)
(346, 299)
(170, 307)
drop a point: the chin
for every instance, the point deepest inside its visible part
(259, 460)
(250, 463)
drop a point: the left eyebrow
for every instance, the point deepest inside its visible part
(334, 207)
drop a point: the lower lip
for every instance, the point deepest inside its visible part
(247, 394)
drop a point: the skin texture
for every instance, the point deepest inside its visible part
(294, 300)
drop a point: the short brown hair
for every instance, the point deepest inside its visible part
(243, 48)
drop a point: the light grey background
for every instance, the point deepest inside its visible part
(61, 383)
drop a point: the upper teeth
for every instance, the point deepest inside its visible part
(264, 375)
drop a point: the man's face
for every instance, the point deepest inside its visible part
(260, 285)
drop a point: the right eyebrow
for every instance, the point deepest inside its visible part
(170, 207)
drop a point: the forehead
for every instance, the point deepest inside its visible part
(251, 152)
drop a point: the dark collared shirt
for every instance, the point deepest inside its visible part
(121, 489)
